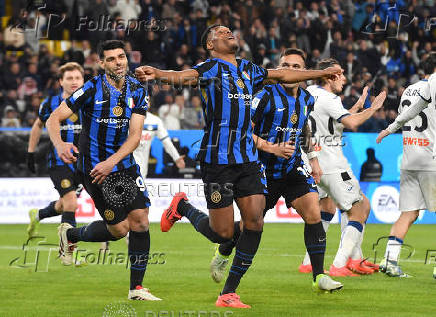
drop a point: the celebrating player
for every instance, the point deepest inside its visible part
(62, 174)
(418, 168)
(338, 182)
(113, 107)
(153, 126)
(228, 157)
(279, 115)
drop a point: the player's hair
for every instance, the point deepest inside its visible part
(69, 67)
(429, 64)
(326, 63)
(109, 45)
(205, 35)
(294, 51)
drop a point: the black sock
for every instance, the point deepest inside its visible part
(94, 232)
(48, 211)
(200, 221)
(139, 247)
(246, 248)
(315, 240)
(226, 248)
(69, 217)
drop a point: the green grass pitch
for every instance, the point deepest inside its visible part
(272, 286)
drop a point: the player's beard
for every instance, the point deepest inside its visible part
(116, 77)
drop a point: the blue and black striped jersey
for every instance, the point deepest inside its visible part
(279, 117)
(106, 114)
(70, 128)
(226, 93)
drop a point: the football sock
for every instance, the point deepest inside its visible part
(200, 221)
(315, 240)
(94, 232)
(349, 240)
(48, 211)
(357, 251)
(325, 220)
(246, 248)
(226, 248)
(139, 247)
(69, 217)
(393, 248)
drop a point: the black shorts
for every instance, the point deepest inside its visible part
(64, 179)
(298, 182)
(223, 183)
(112, 215)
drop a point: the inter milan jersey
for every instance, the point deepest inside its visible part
(279, 117)
(70, 128)
(106, 114)
(226, 93)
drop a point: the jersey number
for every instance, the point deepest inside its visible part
(424, 124)
(330, 126)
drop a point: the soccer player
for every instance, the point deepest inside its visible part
(418, 168)
(61, 174)
(113, 107)
(279, 114)
(338, 182)
(153, 126)
(228, 156)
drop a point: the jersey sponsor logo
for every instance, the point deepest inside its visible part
(288, 129)
(71, 127)
(119, 122)
(412, 92)
(117, 111)
(78, 93)
(415, 141)
(239, 96)
(385, 202)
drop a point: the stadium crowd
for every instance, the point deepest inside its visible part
(380, 43)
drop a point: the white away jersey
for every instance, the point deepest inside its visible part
(419, 130)
(326, 125)
(153, 126)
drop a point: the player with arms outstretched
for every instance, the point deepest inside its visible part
(418, 168)
(228, 156)
(113, 107)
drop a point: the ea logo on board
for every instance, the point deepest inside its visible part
(385, 203)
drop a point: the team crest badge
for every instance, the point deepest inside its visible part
(109, 214)
(65, 183)
(73, 117)
(240, 83)
(117, 111)
(215, 197)
(294, 118)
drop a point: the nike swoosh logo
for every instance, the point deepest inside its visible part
(322, 240)
(99, 102)
(280, 109)
(246, 264)
(225, 74)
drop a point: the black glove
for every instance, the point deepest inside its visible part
(31, 162)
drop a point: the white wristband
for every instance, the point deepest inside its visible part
(312, 155)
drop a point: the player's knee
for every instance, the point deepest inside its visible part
(119, 231)
(254, 223)
(139, 226)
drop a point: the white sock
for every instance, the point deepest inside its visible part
(357, 251)
(350, 238)
(325, 224)
(393, 248)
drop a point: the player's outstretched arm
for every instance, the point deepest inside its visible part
(103, 169)
(184, 77)
(290, 76)
(53, 125)
(35, 135)
(355, 120)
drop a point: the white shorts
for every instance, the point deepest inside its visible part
(417, 190)
(343, 188)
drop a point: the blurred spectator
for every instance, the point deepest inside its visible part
(10, 118)
(171, 112)
(193, 114)
(27, 88)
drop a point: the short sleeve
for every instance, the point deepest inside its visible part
(259, 106)
(336, 110)
(44, 110)
(140, 102)
(207, 72)
(78, 99)
(259, 74)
